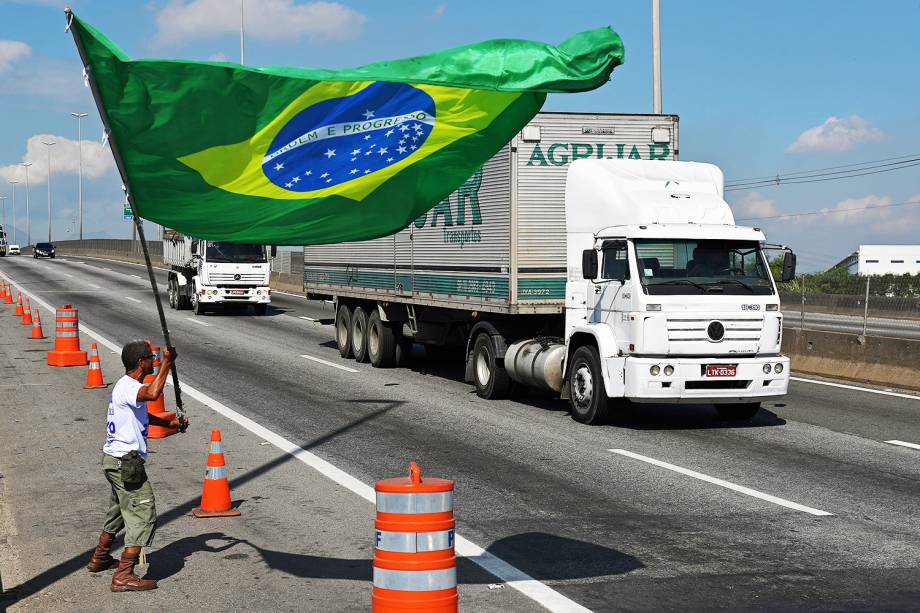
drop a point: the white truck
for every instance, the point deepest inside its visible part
(208, 275)
(557, 267)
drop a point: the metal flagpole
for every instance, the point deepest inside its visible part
(138, 224)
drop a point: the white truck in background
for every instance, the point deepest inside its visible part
(557, 267)
(209, 275)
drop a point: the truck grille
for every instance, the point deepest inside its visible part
(245, 278)
(698, 329)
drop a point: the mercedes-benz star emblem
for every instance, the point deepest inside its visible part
(236, 277)
(716, 331)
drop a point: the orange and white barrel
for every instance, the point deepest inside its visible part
(158, 407)
(66, 350)
(415, 567)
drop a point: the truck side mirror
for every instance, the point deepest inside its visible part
(788, 267)
(589, 264)
(194, 247)
(274, 251)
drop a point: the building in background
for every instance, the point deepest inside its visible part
(883, 260)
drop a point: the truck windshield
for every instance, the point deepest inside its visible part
(687, 266)
(235, 252)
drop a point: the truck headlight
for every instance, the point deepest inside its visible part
(772, 307)
(668, 370)
(766, 369)
(653, 307)
(654, 370)
(778, 368)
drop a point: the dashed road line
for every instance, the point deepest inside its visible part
(328, 363)
(720, 482)
(94, 286)
(856, 387)
(903, 444)
(511, 575)
(198, 321)
(307, 318)
(136, 276)
(133, 299)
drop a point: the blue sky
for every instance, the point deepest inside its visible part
(761, 88)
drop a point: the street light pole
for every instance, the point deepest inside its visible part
(3, 204)
(80, 116)
(49, 144)
(656, 57)
(28, 204)
(13, 183)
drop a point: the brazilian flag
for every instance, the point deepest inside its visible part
(300, 156)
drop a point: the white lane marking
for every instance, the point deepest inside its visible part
(67, 274)
(855, 387)
(514, 577)
(903, 444)
(278, 291)
(307, 318)
(726, 484)
(327, 363)
(108, 269)
(133, 299)
(198, 321)
(136, 276)
(94, 286)
(92, 257)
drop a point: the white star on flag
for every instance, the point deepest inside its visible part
(400, 149)
(353, 171)
(368, 152)
(382, 150)
(368, 114)
(353, 159)
(324, 175)
(413, 147)
(296, 179)
(366, 171)
(355, 151)
(388, 132)
(308, 173)
(328, 180)
(367, 137)
(289, 185)
(279, 166)
(390, 159)
(329, 153)
(403, 127)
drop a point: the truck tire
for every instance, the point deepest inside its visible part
(587, 394)
(343, 331)
(198, 307)
(171, 291)
(381, 342)
(359, 334)
(260, 309)
(738, 411)
(491, 378)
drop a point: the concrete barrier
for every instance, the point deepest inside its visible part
(868, 359)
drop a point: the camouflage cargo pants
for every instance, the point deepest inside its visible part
(131, 506)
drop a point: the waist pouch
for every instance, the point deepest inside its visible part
(132, 469)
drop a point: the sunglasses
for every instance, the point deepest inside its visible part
(148, 357)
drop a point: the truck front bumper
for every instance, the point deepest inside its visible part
(242, 295)
(689, 384)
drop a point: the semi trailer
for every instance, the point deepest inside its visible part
(582, 259)
(210, 275)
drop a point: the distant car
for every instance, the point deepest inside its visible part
(13, 250)
(43, 250)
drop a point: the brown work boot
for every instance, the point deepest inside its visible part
(124, 579)
(101, 559)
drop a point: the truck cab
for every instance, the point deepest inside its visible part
(672, 304)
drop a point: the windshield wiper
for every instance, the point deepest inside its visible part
(747, 286)
(677, 281)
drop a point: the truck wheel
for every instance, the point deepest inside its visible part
(343, 331)
(198, 307)
(587, 395)
(260, 309)
(381, 342)
(740, 411)
(171, 293)
(359, 334)
(491, 379)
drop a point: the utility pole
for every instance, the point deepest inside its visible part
(3, 204)
(656, 57)
(79, 116)
(49, 144)
(13, 183)
(242, 53)
(28, 209)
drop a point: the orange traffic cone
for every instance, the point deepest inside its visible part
(26, 314)
(19, 312)
(94, 374)
(215, 496)
(8, 298)
(37, 326)
(2, 290)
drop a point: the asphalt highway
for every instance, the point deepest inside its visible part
(663, 508)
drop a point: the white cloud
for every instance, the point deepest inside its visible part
(906, 221)
(11, 51)
(97, 160)
(752, 206)
(181, 21)
(836, 134)
(862, 211)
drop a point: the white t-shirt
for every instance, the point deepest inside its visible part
(126, 428)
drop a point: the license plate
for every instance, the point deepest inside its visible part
(237, 292)
(721, 370)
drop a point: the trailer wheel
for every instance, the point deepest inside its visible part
(741, 411)
(381, 342)
(343, 331)
(359, 334)
(587, 395)
(491, 378)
